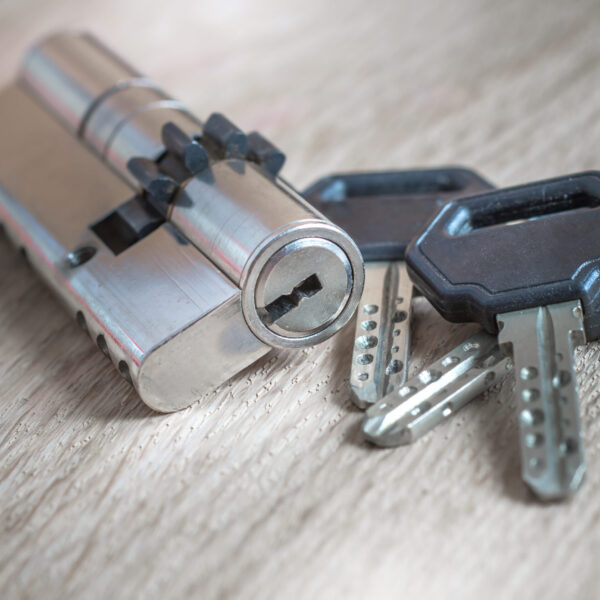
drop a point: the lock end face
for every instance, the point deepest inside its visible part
(303, 285)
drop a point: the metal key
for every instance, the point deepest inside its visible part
(437, 392)
(525, 261)
(542, 341)
(382, 211)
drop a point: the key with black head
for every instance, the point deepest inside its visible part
(382, 211)
(525, 263)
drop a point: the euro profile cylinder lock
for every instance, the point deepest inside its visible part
(173, 242)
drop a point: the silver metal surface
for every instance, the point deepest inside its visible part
(304, 286)
(382, 339)
(231, 210)
(72, 73)
(330, 250)
(542, 341)
(183, 259)
(235, 212)
(140, 134)
(115, 110)
(169, 320)
(118, 112)
(436, 393)
(228, 214)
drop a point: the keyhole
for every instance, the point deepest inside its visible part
(287, 302)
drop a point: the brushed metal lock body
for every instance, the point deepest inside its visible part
(173, 242)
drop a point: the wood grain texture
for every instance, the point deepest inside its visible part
(265, 489)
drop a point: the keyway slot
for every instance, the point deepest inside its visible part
(287, 302)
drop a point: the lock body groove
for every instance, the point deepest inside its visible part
(173, 242)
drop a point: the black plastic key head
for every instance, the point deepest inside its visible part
(512, 249)
(405, 202)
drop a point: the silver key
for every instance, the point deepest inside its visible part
(542, 341)
(382, 338)
(437, 392)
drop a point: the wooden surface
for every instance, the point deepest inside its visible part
(266, 490)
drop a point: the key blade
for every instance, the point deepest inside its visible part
(543, 340)
(436, 393)
(382, 336)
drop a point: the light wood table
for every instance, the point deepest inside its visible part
(266, 489)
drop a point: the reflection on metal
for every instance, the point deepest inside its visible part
(174, 244)
(436, 393)
(542, 341)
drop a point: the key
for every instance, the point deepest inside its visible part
(382, 211)
(524, 262)
(437, 392)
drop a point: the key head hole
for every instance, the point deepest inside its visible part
(393, 183)
(523, 203)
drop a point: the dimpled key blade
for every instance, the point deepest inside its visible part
(437, 392)
(382, 337)
(382, 211)
(525, 260)
(543, 341)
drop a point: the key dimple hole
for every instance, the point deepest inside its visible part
(394, 366)
(399, 316)
(273, 311)
(429, 376)
(450, 361)
(364, 359)
(364, 342)
(532, 418)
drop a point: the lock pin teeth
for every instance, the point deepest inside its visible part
(263, 152)
(190, 151)
(230, 138)
(159, 185)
